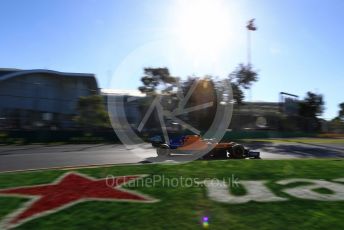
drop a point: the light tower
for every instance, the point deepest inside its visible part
(250, 27)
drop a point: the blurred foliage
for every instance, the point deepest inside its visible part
(92, 112)
(341, 111)
(312, 105)
(336, 125)
(177, 95)
(242, 78)
(238, 94)
(153, 77)
(204, 92)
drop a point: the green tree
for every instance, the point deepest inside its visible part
(312, 106)
(159, 81)
(92, 113)
(340, 116)
(242, 78)
(341, 111)
(204, 92)
(153, 77)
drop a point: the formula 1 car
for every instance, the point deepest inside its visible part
(194, 143)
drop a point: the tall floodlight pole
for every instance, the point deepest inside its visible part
(250, 27)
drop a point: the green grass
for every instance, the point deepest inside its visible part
(182, 208)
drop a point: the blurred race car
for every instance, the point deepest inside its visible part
(194, 143)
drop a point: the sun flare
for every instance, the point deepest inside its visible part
(203, 26)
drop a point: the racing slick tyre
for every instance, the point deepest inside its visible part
(163, 150)
(237, 152)
(221, 154)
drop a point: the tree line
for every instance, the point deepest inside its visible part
(159, 81)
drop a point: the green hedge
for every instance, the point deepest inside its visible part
(265, 134)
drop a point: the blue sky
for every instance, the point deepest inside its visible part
(298, 46)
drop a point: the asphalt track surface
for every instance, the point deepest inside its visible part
(26, 157)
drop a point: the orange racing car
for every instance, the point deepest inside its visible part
(194, 143)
